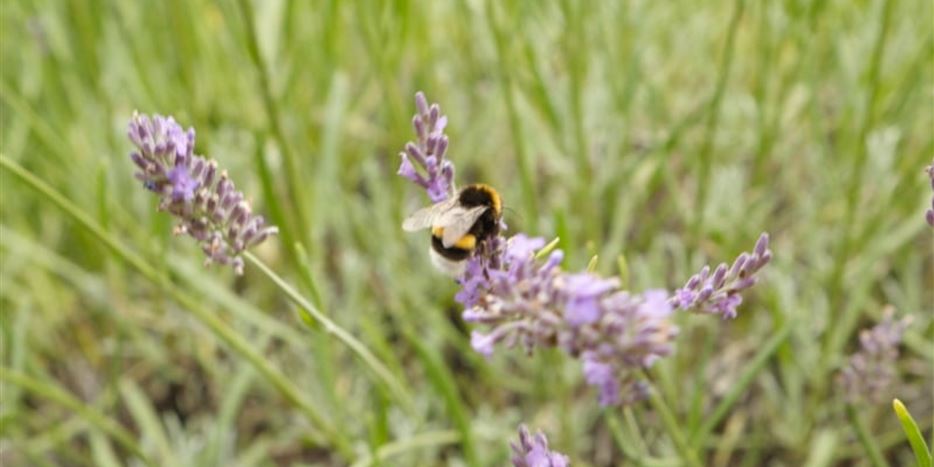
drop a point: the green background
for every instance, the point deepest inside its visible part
(668, 133)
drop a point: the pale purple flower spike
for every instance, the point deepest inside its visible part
(535, 304)
(870, 372)
(207, 205)
(423, 160)
(532, 451)
(718, 292)
(929, 215)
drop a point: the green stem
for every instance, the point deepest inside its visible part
(875, 456)
(310, 314)
(290, 162)
(688, 456)
(913, 433)
(713, 116)
(838, 334)
(616, 430)
(526, 178)
(63, 398)
(755, 366)
(235, 341)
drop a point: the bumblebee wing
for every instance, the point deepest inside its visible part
(427, 217)
(457, 221)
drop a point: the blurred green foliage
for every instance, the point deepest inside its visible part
(670, 133)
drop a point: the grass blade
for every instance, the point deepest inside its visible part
(755, 366)
(869, 444)
(330, 327)
(913, 433)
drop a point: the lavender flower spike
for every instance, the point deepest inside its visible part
(929, 215)
(524, 302)
(532, 451)
(423, 160)
(207, 205)
(871, 370)
(718, 292)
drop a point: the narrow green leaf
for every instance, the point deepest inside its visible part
(102, 452)
(592, 265)
(865, 438)
(547, 249)
(146, 419)
(739, 388)
(913, 433)
(443, 381)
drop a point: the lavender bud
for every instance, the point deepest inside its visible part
(762, 244)
(433, 113)
(738, 264)
(719, 276)
(533, 451)
(442, 146)
(419, 127)
(693, 282)
(421, 104)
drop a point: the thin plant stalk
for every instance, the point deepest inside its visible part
(737, 390)
(913, 433)
(311, 312)
(688, 456)
(290, 161)
(713, 115)
(869, 444)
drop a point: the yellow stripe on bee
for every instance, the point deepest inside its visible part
(467, 242)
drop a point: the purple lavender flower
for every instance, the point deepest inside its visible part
(719, 292)
(584, 291)
(434, 173)
(205, 202)
(532, 451)
(929, 215)
(535, 304)
(871, 370)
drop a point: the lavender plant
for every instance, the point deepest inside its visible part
(522, 301)
(870, 372)
(532, 451)
(206, 203)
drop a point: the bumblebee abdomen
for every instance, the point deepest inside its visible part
(459, 251)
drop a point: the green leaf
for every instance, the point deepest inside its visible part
(913, 433)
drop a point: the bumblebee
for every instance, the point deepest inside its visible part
(459, 225)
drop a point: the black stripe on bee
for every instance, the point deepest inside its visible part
(453, 253)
